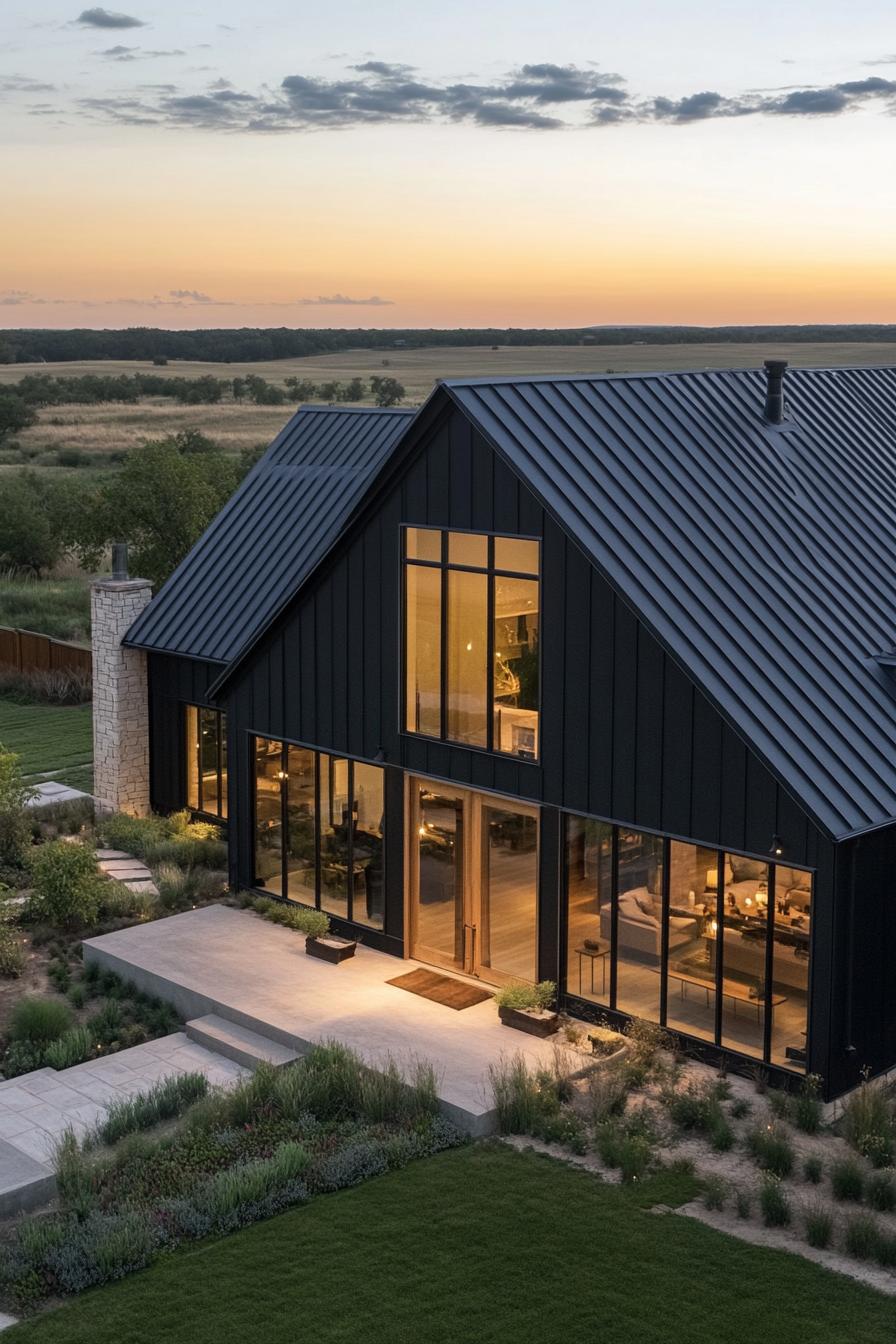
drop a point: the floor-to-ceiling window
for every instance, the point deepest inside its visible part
(471, 654)
(206, 756)
(319, 830)
(710, 944)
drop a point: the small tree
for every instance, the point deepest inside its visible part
(28, 540)
(353, 390)
(387, 391)
(15, 414)
(15, 828)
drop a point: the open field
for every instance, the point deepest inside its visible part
(116, 427)
(54, 741)
(113, 428)
(59, 607)
(418, 369)
(480, 1244)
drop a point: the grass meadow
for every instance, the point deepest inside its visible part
(105, 431)
(481, 1243)
(59, 607)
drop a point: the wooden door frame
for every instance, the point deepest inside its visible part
(473, 801)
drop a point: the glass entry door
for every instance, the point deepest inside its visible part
(474, 883)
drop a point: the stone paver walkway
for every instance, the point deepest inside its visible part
(52, 792)
(38, 1107)
(132, 873)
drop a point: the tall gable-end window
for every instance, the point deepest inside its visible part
(206, 752)
(471, 656)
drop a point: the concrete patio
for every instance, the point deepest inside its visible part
(236, 966)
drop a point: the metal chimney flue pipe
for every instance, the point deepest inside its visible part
(774, 390)
(119, 560)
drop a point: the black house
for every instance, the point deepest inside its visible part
(581, 679)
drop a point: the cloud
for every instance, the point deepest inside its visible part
(121, 53)
(883, 60)
(540, 96)
(343, 301)
(195, 294)
(107, 18)
(24, 84)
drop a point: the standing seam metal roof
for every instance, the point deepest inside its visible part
(762, 557)
(271, 534)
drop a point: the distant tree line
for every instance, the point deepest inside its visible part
(37, 390)
(248, 345)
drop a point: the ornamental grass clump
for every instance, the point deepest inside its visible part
(251, 1182)
(715, 1192)
(813, 1170)
(528, 998)
(880, 1191)
(847, 1179)
(868, 1123)
(807, 1107)
(698, 1109)
(818, 1223)
(607, 1093)
(39, 1021)
(75, 1177)
(772, 1150)
(74, 1047)
(861, 1235)
(516, 1094)
(166, 1099)
(773, 1202)
(313, 923)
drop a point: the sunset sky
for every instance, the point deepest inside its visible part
(397, 163)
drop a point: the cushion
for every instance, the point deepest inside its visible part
(630, 909)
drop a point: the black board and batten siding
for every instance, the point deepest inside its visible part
(173, 683)
(625, 735)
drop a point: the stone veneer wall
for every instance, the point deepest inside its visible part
(120, 702)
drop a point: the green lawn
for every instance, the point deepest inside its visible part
(479, 1244)
(54, 741)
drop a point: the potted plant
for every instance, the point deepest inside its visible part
(528, 1007)
(319, 942)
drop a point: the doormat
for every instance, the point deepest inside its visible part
(441, 989)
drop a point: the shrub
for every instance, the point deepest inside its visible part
(627, 1146)
(68, 818)
(350, 1166)
(15, 826)
(860, 1236)
(69, 1049)
(780, 1104)
(698, 1109)
(721, 1136)
(880, 1191)
(313, 923)
(813, 1170)
(22, 1057)
(740, 1108)
(167, 1098)
(715, 1192)
(131, 834)
(12, 953)
(533, 998)
(67, 886)
(773, 1203)
(771, 1150)
(646, 1040)
(867, 1123)
(807, 1108)
(819, 1224)
(885, 1250)
(39, 1021)
(847, 1179)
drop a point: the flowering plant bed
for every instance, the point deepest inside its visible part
(279, 1139)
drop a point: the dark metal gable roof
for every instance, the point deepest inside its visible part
(270, 535)
(763, 557)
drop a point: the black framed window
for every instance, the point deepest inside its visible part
(708, 943)
(319, 830)
(206, 757)
(471, 661)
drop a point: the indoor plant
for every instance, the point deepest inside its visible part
(528, 1007)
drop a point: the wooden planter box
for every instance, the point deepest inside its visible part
(333, 950)
(535, 1021)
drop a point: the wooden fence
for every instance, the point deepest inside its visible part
(30, 652)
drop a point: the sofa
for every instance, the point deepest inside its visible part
(639, 926)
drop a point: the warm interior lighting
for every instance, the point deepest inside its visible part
(469, 647)
(714, 926)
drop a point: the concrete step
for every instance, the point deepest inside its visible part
(238, 1043)
(8, 1083)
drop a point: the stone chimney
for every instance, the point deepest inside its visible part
(120, 704)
